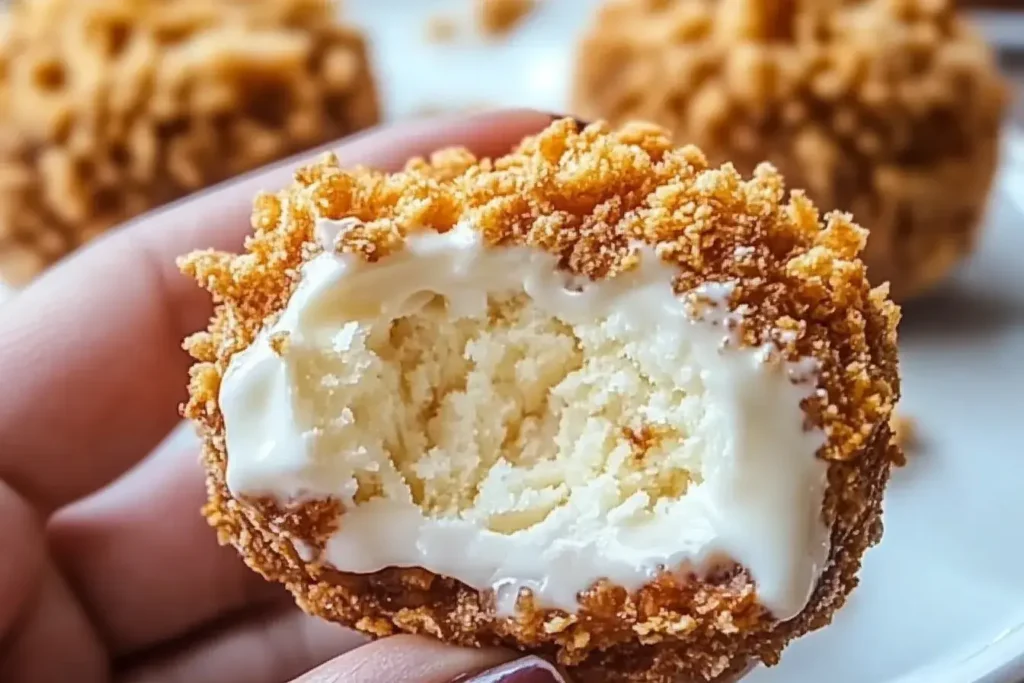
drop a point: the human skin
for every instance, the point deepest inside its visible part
(107, 570)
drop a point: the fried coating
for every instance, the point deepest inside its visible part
(585, 196)
(111, 107)
(889, 109)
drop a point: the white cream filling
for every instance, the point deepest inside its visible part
(760, 493)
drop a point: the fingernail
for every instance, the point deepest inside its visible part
(580, 123)
(525, 670)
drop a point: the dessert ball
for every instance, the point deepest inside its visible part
(889, 109)
(109, 108)
(595, 400)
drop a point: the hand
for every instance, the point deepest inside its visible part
(107, 570)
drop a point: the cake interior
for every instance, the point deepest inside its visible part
(500, 418)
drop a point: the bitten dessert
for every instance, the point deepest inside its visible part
(109, 108)
(889, 109)
(595, 400)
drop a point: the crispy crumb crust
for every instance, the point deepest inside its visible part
(109, 108)
(889, 109)
(584, 196)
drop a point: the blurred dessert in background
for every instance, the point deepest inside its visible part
(496, 18)
(441, 28)
(890, 109)
(111, 107)
(490, 19)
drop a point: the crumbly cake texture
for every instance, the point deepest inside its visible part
(585, 196)
(113, 107)
(889, 109)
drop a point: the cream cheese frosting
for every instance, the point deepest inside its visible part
(300, 425)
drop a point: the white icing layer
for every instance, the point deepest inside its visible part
(756, 498)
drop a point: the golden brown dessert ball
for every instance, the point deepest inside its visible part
(889, 109)
(109, 108)
(587, 198)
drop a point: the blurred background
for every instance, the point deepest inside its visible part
(109, 108)
(906, 112)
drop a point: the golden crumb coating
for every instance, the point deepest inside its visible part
(889, 109)
(112, 107)
(586, 196)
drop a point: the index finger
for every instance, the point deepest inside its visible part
(90, 354)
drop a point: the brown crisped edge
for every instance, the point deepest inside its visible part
(889, 109)
(496, 18)
(585, 196)
(109, 108)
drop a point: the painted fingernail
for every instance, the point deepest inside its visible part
(525, 670)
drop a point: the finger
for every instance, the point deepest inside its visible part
(52, 641)
(405, 659)
(271, 648)
(37, 610)
(142, 560)
(24, 556)
(528, 669)
(93, 347)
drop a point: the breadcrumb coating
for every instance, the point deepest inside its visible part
(586, 196)
(111, 107)
(889, 109)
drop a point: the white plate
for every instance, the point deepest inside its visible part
(942, 599)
